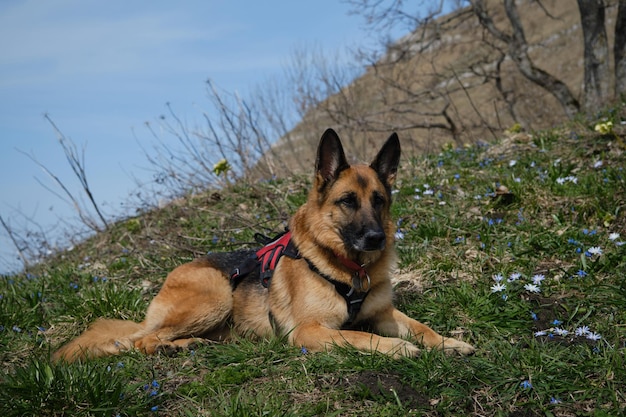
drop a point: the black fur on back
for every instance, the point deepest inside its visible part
(227, 261)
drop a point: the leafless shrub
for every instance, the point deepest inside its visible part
(31, 240)
(250, 134)
(89, 213)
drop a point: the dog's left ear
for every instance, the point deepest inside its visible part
(387, 160)
(331, 159)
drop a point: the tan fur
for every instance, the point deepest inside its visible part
(197, 301)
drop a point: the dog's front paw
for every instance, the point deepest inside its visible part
(451, 345)
(403, 348)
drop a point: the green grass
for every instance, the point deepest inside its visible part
(464, 230)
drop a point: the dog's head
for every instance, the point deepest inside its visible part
(352, 202)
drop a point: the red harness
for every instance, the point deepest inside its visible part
(266, 259)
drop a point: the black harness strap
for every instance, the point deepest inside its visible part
(354, 299)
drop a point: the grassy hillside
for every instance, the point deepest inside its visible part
(515, 246)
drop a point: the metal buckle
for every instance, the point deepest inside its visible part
(357, 282)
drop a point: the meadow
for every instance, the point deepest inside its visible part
(517, 247)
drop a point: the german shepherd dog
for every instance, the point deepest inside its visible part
(334, 283)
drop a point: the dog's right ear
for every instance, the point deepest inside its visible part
(331, 159)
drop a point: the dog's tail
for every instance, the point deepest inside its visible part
(103, 338)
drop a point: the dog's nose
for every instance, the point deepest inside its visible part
(374, 240)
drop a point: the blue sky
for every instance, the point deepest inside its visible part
(100, 70)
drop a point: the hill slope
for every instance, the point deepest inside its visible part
(517, 247)
(448, 83)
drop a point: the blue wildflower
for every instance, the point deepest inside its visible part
(533, 315)
(526, 385)
(560, 332)
(514, 277)
(532, 288)
(593, 336)
(582, 331)
(595, 250)
(538, 279)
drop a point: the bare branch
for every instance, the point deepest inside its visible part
(518, 51)
(73, 200)
(13, 238)
(76, 162)
(619, 50)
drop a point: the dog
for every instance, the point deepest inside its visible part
(324, 283)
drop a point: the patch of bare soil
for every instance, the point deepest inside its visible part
(547, 310)
(525, 413)
(386, 387)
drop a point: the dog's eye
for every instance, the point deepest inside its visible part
(350, 201)
(378, 200)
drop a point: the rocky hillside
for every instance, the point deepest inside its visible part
(448, 82)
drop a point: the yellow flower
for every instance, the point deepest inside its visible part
(221, 167)
(604, 128)
(516, 128)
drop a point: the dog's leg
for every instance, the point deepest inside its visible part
(316, 337)
(104, 337)
(393, 322)
(195, 301)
